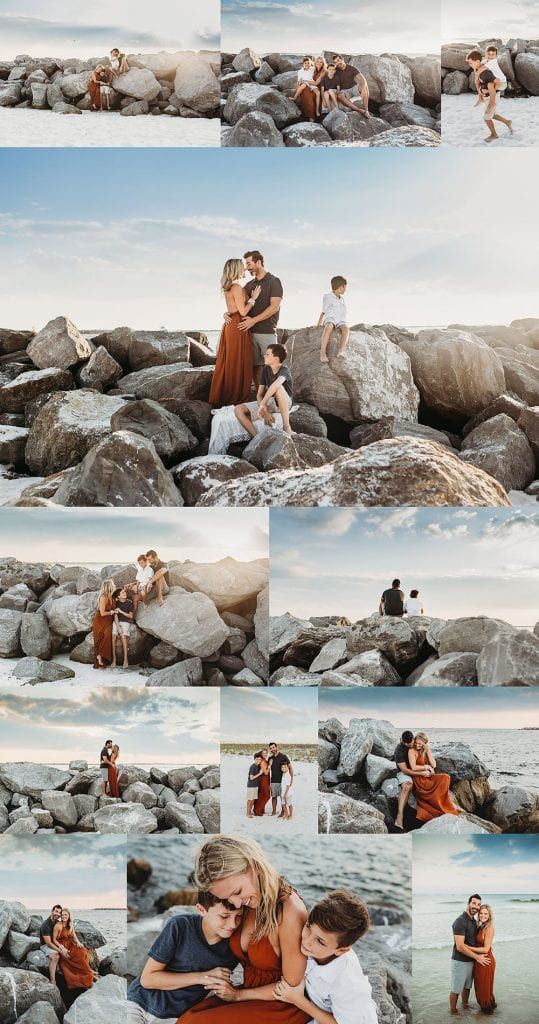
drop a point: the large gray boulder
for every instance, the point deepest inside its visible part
(261, 622)
(470, 634)
(61, 806)
(426, 78)
(176, 382)
(172, 439)
(391, 635)
(389, 80)
(14, 916)
(341, 814)
(183, 673)
(75, 85)
(456, 372)
(332, 654)
(42, 671)
(196, 86)
(10, 632)
(513, 809)
(459, 761)
(527, 71)
(455, 669)
(35, 638)
(355, 745)
(188, 621)
(21, 989)
(228, 583)
(124, 819)
(32, 779)
(157, 348)
(273, 449)
(509, 660)
(372, 668)
(67, 427)
(197, 476)
(328, 754)
(101, 371)
(139, 83)
(249, 96)
(246, 60)
(284, 630)
(254, 130)
(104, 1001)
(183, 817)
(208, 809)
(16, 394)
(501, 448)
(39, 1013)
(378, 769)
(60, 345)
(529, 422)
(12, 444)
(71, 614)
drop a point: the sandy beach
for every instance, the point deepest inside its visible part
(34, 128)
(85, 674)
(234, 770)
(463, 124)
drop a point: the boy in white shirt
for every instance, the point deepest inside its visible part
(140, 588)
(334, 990)
(306, 81)
(413, 604)
(334, 315)
(491, 62)
(287, 793)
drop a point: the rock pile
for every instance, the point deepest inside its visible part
(27, 995)
(257, 108)
(212, 629)
(441, 417)
(35, 798)
(518, 59)
(358, 789)
(411, 651)
(183, 84)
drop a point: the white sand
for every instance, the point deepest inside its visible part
(85, 674)
(463, 124)
(26, 127)
(12, 489)
(234, 771)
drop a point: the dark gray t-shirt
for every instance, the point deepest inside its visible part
(271, 288)
(464, 925)
(183, 948)
(46, 929)
(401, 754)
(393, 601)
(269, 377)
(253, 770)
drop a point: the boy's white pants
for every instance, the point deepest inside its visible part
(137, 1015)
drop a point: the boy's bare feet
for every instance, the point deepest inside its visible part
(491, 138)
(323, 358)
(510, 127)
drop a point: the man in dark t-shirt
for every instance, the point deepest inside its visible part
(48, 946)
(405, 775)
(276, 775)
(264, 316)
(161, 576)
(464, 953)
(349, 77)
(104, 761)
(392, 600)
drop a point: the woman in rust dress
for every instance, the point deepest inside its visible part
(233, 374)
(113, 772)
(101, 76)
(483, 977)
(102, 626)
(267, 943)
(264, 789)
(75, 968)
(431, 791)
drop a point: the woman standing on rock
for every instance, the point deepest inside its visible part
(76, 966)
(431, 791)
(483, 976)
(264, 789)
(113, 772)
(102, 626)
(268, 942)
(233, 374)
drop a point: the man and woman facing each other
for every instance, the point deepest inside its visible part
(65, 951)
(296, 964)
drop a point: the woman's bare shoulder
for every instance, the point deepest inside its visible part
(294, 909)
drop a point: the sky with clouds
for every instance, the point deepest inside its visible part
(357, 26)
(473, 20)
(403, 226)
(57, 28)
(433, 708)
(58, 723)
(452, 865)
(111, 536)
(285, 714)
(463, 562)
(81, 872)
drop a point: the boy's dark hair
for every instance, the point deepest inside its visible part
(207, 900)
(255, 255)
(474, 896)
(491, 49)
(116, 593)
(145, 557)
(337, 282)
(332, 65)
(106, 744)
(414, 593)
(396, 583)
(258, 754)
(474, 55)
(407, 736)
(115, 50)
(279, 351)
(307, 57)
(344, 914)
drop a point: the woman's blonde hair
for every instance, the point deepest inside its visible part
(421, 736)
(233, 271)
(486, 906)
(107, 588)
(115, 748)
(69, 924)
(324, 62)
(224, 856)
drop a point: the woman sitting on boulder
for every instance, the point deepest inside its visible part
(100, 88)
(102, 625)
(431, 791)
(76, 966)
(320, 69)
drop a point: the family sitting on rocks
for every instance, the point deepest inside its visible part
(394, 602)
(117, 609)
(271, 776)
(103, 75)
(59, 941)
(417, 773)
(323, 87)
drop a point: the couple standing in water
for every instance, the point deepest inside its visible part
(472, 960)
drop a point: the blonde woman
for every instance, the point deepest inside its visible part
(320, 70)
(483, 976)
(102, 625)
(233, 374)
(76, 965)
(431, 791)
(267, 943)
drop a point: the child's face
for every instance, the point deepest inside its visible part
(306, 65)
(331, 72)
(340, 290)
(222, 921)
(320, 944)
(240, 890)
(143, 562)
(269, 357)
(257, 761)
(491, 54)
(122, 595)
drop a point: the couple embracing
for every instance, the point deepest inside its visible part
(417, 773)
(64, 950)
(472, 959)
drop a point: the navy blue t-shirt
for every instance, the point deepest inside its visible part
(183, 948)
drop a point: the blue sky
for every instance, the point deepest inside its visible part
(57, 723)
(472, 20)
(56, 28)
(286, 714)
(463, 562)
(81, 872)
(357, 26)
(108, 536)
(433, 708)
(408, 228)
(448, 865)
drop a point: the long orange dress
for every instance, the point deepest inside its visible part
(264, 794)
(233, 374)
(76, 971)
(261, 966)
(307, 103)
(432, 794)
(113, 780)
(483, 978)
(102, 631)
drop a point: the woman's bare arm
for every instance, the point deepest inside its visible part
(156, 976)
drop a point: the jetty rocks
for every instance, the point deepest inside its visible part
(27, 995)
(212, 629)
(36, 799)
(393, 651)
(358, 789)
(257, 108)
(438, 417)
(182, 84)
(518, 59)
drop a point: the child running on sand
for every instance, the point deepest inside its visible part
(274, 394)
(287, 794)
(306, 81)
(334, 315)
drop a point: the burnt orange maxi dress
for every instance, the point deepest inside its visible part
(102, 631)
(261, 966)
(307, 103)
(113, 780)
(76, 971)
(432, 794)
(264, 794)
(483, 978)
(233, 374)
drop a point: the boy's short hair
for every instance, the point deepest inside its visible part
(342, 913)
(258, 754)
(307, 57)
(407, 736)
(396, 583)
(143, 556)
(331, 64)
(491, 49)
(115, 50)
(208, 900)
(116, 593)
(279, 351)
(338, 282)
(474, 55)
(255, 255)
(414, 593)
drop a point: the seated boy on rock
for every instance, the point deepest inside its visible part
(274, 393)
(191, 950)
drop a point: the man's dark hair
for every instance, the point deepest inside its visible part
(342, 913)
(279, 351)
(414, 593)
(151, 553)
(207, 900)
(57, 906)
(396, 583)
(272, 743)
(107, 742)
(337, 282)
(475, 896)
(338, 56)
(255, 255)
(474, 55)
(491, 49)
(407, 736)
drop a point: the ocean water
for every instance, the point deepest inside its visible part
(111, 923)
(516, 945)
(511, 754)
